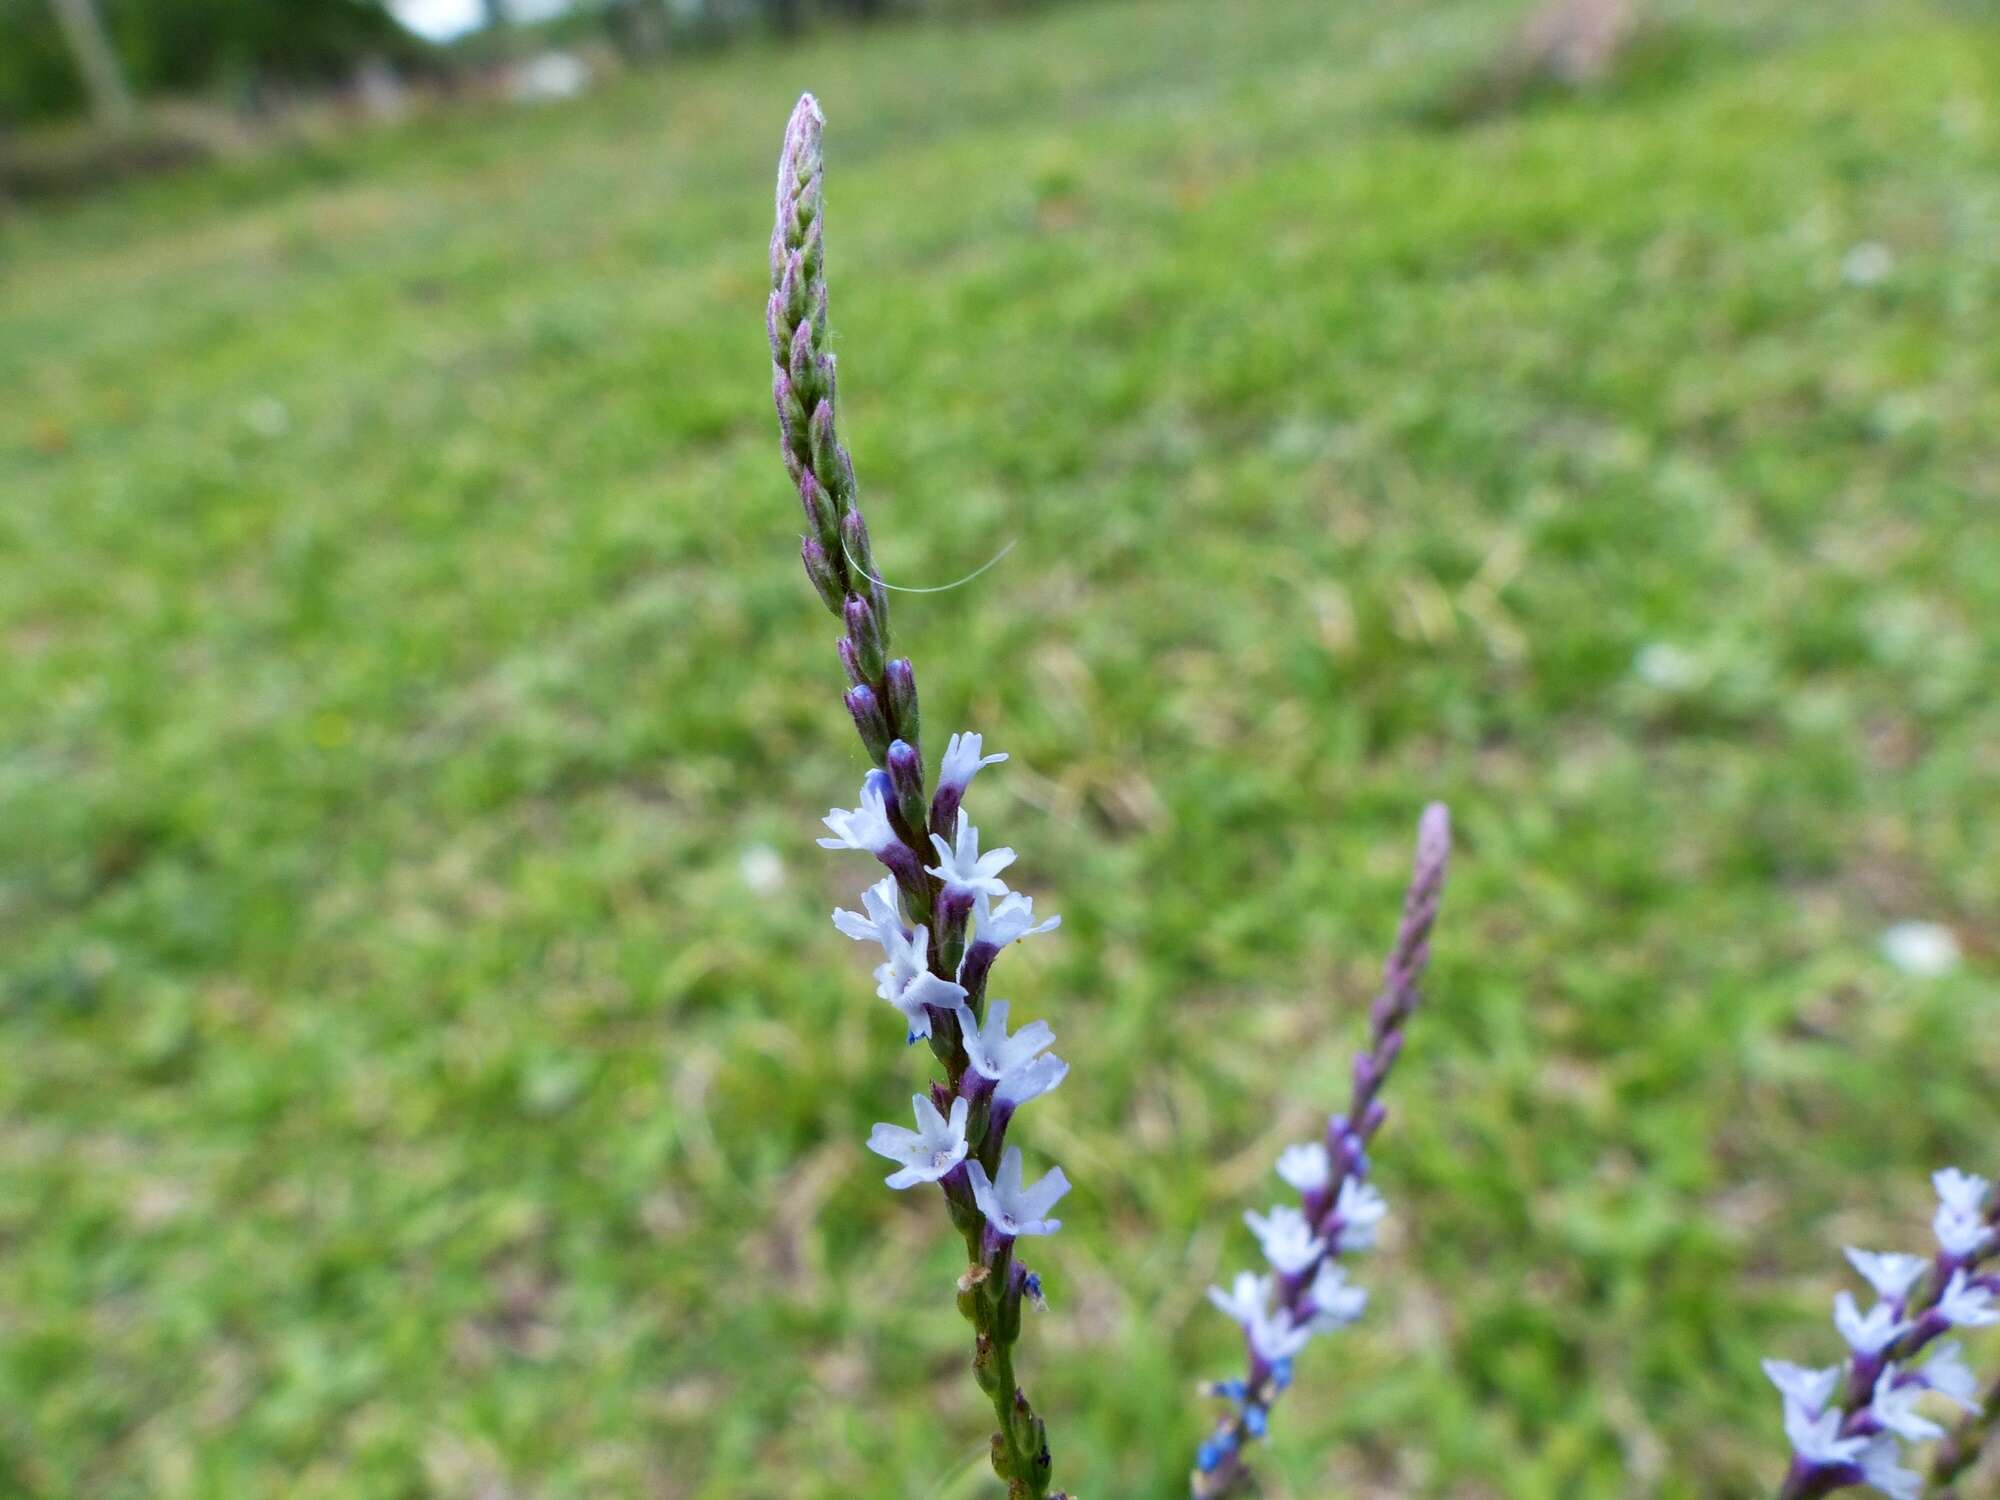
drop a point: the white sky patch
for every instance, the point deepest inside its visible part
(444, 20)
(440, 20)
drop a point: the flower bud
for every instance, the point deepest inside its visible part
(804, 369)
(865, 630)
(819, 568)
(849, 663)
(854, 542)
(867, 711)
(774, 327)
(821, 515)
(824, 446)
(900, 678)
(906, 775)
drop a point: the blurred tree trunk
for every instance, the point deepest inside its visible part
(103, 79)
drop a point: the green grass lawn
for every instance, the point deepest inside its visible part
(411, 1081)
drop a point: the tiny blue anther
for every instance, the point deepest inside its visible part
(910, 1040)
(1229, 1390)
(1208, 1456)
(1255, 1421)
(1032, 1287)
(1281, 1375)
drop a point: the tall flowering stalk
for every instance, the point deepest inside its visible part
(941, 914)
(1848, 1422)
(1306, 1291)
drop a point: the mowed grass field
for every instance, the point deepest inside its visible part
(426, 1066)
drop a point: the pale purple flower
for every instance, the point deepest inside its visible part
(1335, 1303)
(1870, 1332)
(883, 922)
(1947, 1373)
(1967, 1303)
(1246, 1300)
(994, 1054)
(1288, 1240)
(1882, 1467)
(1030, 1082)
(1960, 1190)
(1810, 1389)
(962, 761)
(1012, 1210)
(964, 866)
(1008, 922)
(1960, 1222)
(1306, 1167)
(1815, 1436)
(1274, 1336)
(1360, 1207)
(1894, 1407)
(866, 827)
(907, 983)
(928, 1152)
(1891, 1274)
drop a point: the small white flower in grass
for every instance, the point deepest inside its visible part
(1010, 921)
(1895, 1407)
(1246, 1300)
(1305, 1166)
(965, 867)
(994, 1054)
(928, 1152)
(865, 828)
(1810, 1389)
(1274, 1336)
(762, 868)
(1289, 1243)
(962, 761)
(1815, 1436)
(906, 983)
(1360, 1208)
(1011, 1209)
(1032, 1081)
(1335, 1303)
(1882, 1467)
(1870, 1332)
(1925, 949)
(1967, 1303)
(1892, 1275)
(1947, 1373)
(883, 922)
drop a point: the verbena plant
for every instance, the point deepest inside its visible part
(942, 914)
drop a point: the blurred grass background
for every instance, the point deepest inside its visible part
(425, 1063)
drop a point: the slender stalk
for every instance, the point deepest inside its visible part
(1220, 1470)
(881, 698)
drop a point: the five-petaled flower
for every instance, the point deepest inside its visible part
(1288, 1240)
(1306, 1167)
(1012, 1210)
(1967, 1302)
(1335, 1303)
(965, 867)
(962, 761)
(865, 827)
(928, 1152)
(1008, 922)
(1891, 1274)
(1870, 1332)
(1246, 1299)
(1360, 1208)
(996, 1056)
(907, 983)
